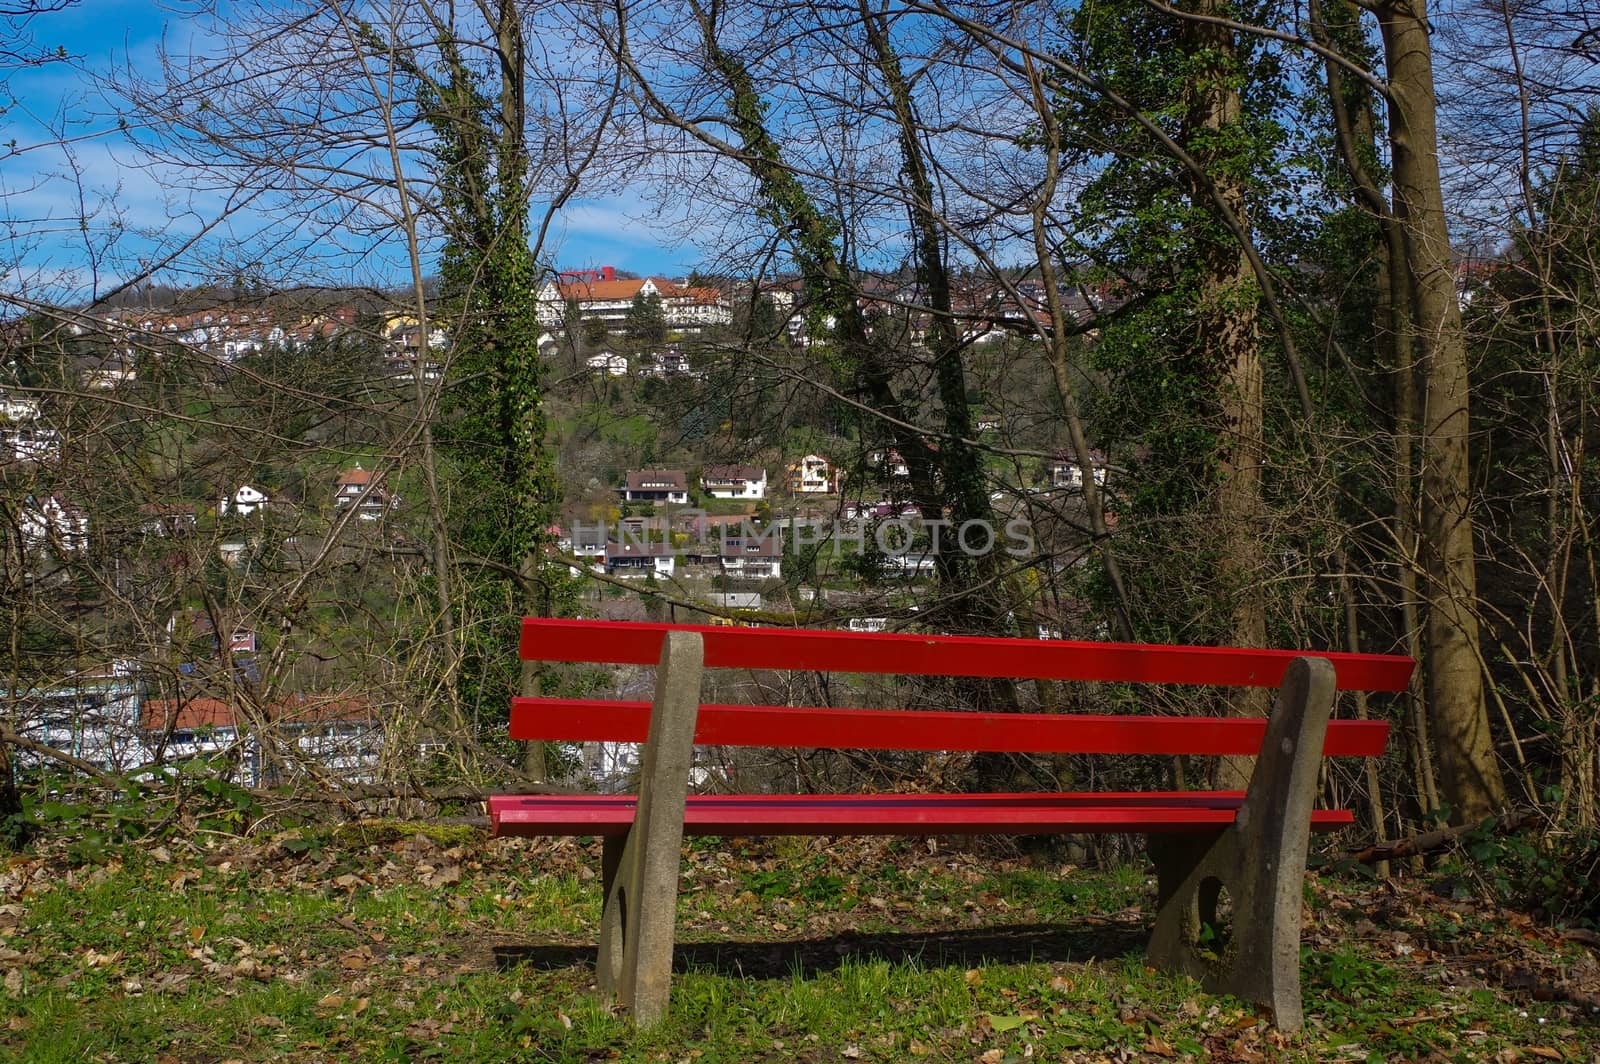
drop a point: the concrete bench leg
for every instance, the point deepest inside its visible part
(1260, 861)
(640, 872)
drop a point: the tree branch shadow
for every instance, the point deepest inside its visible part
(964, 948)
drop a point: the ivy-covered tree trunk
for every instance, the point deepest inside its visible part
(1228, 333)
(494, 431)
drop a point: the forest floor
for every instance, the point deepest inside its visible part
(379, 942)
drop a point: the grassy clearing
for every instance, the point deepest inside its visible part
(378, 944)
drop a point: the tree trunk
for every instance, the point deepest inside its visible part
(1469, 772)
(1229, 334)
(959, 461)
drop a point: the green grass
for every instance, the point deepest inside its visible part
(375, 943)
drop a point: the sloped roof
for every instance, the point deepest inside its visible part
(626, 549)
(313, 709)
(763, 546)
(191, 713)
(732, 472)
(611, 291)
(658, 480)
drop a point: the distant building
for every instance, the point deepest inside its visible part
(607, 364)
(244, 501)
(657, 486)
(890, 463)
(639, 559)
(30, 444)
(363, 489)
(18, 408)
(587, 540)
(1066, 472)
(812, 475)
(227, 333)
(107, 373)
(671, 363)
(180, 729)
(753, 557)
(734, 481)
(169, 519)
(92, 716)
(54, 522)
(601, 296)
(339, 734)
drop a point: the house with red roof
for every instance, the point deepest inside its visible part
(363, 489)
(600, 295)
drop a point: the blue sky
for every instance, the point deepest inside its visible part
(41, 200)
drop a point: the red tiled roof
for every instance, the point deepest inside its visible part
(194, 713)
(157, 713)
(310, 709)
(610, 291)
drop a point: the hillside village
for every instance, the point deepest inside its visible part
(719, 503)
(692, 473)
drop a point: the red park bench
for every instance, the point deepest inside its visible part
(1252, 843)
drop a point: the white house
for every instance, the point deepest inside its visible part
(639, 559)
(1067, 473)
(181, 729)
(106, 374)
(812, 475)
(30, 444)
(91, 715)
(341, 734)
(753, 557)
(586, 540)
(18, 408)
(245, 501)
(671, 363)
(734, 481)
(363, 489)
(166, 519)
(54, 522)
(600, 295)
(890, 463)
(607, 363)
(657, 486)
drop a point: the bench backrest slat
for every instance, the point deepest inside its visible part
(595, 720)
(619, 643)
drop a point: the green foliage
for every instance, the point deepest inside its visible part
(646, 320)
(93, 822)
(1555, 876)
(1155, 233)
(492, 430)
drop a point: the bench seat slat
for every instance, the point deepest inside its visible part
(891, 814)
(598, 720)
(622, 643)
